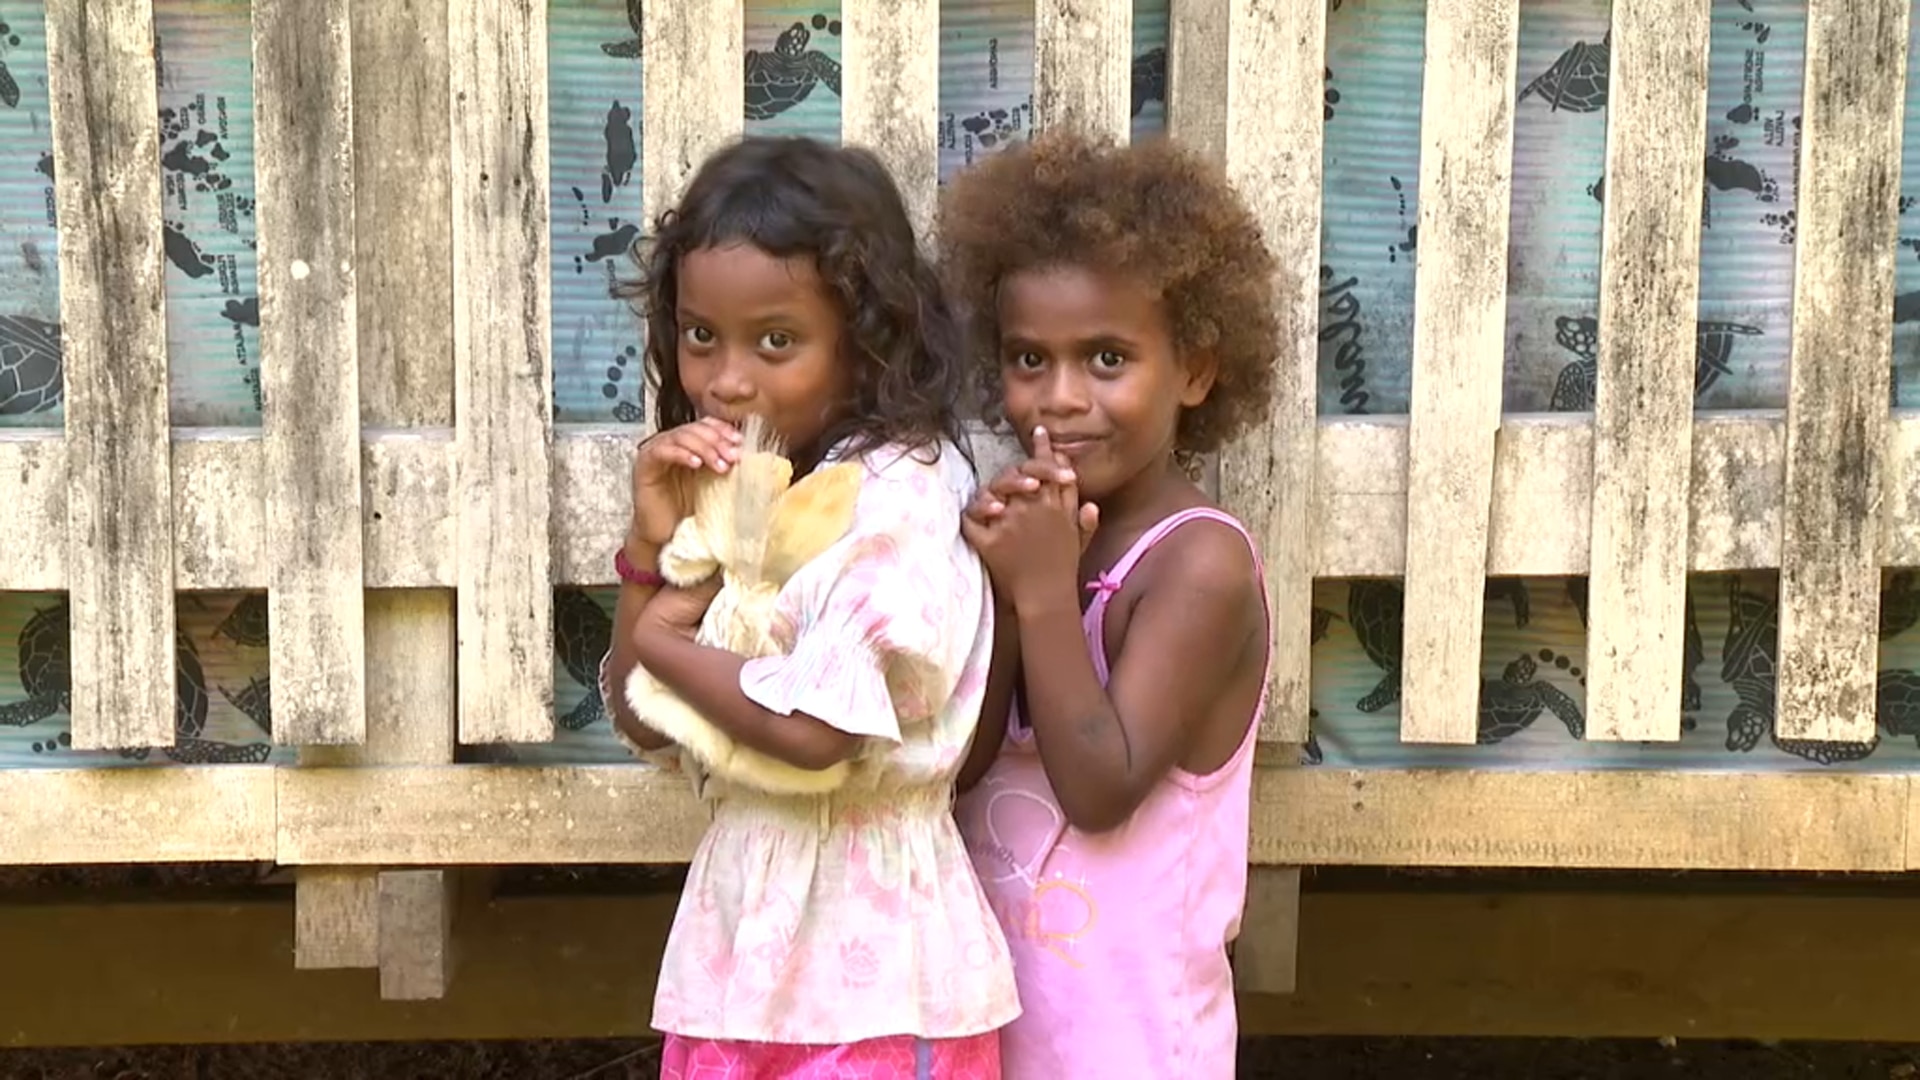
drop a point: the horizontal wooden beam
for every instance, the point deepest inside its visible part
(455, 815)
(1582, 820)
(486, 815)
(207, 813)
(1543, 487)
(1623, 964)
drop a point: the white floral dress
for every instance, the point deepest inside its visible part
(856, 915)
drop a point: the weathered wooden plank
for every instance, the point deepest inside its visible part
(1459, 332)
(403, 200)
(106, 145)
(1083, 65)
(1837, 375)
(336, 919)
(310, 369)
(1643, 402)
(1543, 483)
(472, 814)
(1266, 955)
(1274, 131)
(1198, 37)
(201, 813)
(890, 95)
(591, 514)
(1543, 495)
(1619, 820)
(692, 100)
(410, 703)
(416, 934)
(33, 510)
(483, 814)
(219, 509)
(503, 383)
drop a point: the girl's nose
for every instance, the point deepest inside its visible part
(1067, 392)
(732, 383)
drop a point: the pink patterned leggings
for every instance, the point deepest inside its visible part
(898, 1057)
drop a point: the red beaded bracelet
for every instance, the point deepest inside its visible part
(633, 575)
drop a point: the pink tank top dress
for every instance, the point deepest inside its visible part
(1119, 940)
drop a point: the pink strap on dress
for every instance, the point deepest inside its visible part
(1110, 582)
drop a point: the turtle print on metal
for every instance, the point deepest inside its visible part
(581, 635)
(627, 48)
(1577, 81)
(46, 674)
(1511, 703)
(779, 80)
(30, 365)
(9, 88)
(1573, 391)
(1750, 664)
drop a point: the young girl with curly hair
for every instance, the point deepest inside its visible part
(1124, 309)
(841, 934)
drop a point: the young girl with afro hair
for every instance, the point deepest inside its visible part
(1122, 303)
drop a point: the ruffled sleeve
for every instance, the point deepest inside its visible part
(883, 622)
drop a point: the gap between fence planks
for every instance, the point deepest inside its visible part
(1083, 65)
(503, 372)
(1643, 402)
(1837, 374)
(1459, 334)
(105, 116)
(890, 96)
(403, 201)
(309, 369)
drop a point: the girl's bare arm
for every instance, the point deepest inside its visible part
(708, 679)
(622, 658)
(1002, 679)
(1187, 647)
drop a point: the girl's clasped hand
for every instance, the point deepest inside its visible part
(1029, 524)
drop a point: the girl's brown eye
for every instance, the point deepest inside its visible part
(698, 335)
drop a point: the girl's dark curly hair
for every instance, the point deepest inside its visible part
(795, 197)
(1152, 210)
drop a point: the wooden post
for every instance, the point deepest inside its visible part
(1837, 375)
(693, 102)
(1459, 339)
(1643, 403)
(1082, 64)
(105, 117)
(310, 368)
(348, 917)
(890, 94)
(503, 371)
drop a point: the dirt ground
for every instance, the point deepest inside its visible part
(1261, 1059)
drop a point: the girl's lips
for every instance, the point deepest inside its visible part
(1074, 446)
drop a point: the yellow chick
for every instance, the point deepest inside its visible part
(756, 528)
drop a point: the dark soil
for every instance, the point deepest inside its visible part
(1294, 1059)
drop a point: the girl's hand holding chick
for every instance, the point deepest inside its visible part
(663, 469)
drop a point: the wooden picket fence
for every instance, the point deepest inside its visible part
(409, 536)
